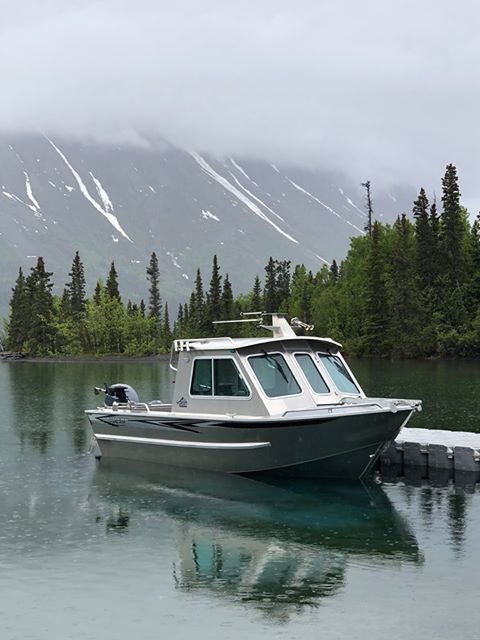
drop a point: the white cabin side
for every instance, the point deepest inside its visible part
(261, 377)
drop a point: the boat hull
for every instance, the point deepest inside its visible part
(343, 446)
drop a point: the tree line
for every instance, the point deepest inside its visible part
(411, 289)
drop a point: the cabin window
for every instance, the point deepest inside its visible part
(337, 371)
(202, 378)
(227, 380)
(311, 373)
(274, 375)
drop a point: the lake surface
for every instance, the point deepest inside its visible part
(90, 550)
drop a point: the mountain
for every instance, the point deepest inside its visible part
(122, 203)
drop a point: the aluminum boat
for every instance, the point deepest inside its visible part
(285, 404)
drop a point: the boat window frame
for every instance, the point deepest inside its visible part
(212, 396)
(312, 355)
(275, 353)
(350, 375)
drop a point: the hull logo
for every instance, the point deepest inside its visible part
(182, 403)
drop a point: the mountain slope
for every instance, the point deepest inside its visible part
(114, 203)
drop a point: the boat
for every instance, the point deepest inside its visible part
(285, 404)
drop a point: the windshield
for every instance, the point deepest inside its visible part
(340, 376)
(274, 375)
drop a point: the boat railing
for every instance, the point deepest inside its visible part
(185, 344)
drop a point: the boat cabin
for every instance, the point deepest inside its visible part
(261, 376)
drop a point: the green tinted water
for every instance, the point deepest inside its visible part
(93, 550)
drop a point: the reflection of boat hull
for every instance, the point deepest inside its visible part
(344, 442)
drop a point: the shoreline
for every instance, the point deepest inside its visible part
(109, 359)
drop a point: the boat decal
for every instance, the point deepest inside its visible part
(183, 443)
(116, 421)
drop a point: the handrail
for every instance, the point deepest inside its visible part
(183, 344)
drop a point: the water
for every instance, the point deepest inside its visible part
(92, 551)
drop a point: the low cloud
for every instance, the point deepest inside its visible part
(375, 89)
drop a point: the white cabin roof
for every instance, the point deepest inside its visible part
(227, 344)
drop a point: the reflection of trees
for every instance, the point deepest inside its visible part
(457, 521)
(32, 389)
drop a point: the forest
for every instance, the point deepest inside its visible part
(406, 290)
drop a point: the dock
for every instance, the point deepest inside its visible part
(431, 453)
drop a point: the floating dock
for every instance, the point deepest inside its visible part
(431, 453)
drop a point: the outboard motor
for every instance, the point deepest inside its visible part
(120, 393)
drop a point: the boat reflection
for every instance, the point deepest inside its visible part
(280, 545)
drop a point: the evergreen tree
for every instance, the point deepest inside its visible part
(376, 308)
(154, 301)
(142, 308)
(423, 232)
(270, 293)
(402, 291)
(257, 299)
(282, 283)
(227, 299)
(453, 229)
(166, 331)
(369, 207)
(334, 270)
(20, 314)
(111, 285)
(75, 288)
(41, 331)
(97, 296)
(197, 306)
(213, 308)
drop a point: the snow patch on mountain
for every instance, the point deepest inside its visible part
(239, 168)
(30, 195)
(108, 215)
(206, 215)
(238, 194)
(352, 204)
(174, 259)
(297, 186)
(15, 198)
(255, 198)
(104, 197)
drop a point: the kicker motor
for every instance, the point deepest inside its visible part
(119, 393)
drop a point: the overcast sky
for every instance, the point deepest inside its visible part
(378, 89)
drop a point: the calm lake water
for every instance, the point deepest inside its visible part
(96, 551)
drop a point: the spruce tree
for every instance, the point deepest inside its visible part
(423, 233)
(257, 298)
(375, 297)
(282, 283)
(402, 291)
(452, 229)
(97, 296)
(20, 314)
(154, 300)
(334, 271)
(213, 310)
(111, 286)
(75, 288)
(41, 331)
(270, 292)
(227, 299)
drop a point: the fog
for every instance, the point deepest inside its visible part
(379, 90)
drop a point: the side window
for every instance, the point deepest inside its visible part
(274, 375)
(311, 373)
(202, 378)
(227, 380)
